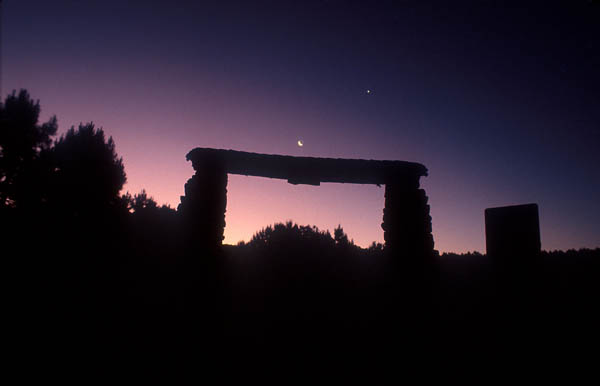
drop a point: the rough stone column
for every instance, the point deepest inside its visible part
(406, 220)
(204, 204)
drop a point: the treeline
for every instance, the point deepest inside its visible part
(100, 273)
(78, 173)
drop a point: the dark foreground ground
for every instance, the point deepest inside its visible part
(96, 302)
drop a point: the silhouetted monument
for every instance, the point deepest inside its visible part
(406, 219)
(512, 231)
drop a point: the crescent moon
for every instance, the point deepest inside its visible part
(300, 143)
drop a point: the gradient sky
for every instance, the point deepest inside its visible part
(501, 102)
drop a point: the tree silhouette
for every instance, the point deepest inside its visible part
(375, 247)
(22, 141)
(340, 237)
(291, 235)
(88, 174)
(140, 202)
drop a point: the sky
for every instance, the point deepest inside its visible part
(499, 100)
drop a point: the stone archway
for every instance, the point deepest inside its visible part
(406, 220)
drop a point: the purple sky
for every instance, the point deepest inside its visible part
(501, 103)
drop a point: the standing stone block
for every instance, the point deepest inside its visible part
(512, 231)
(406, 220)
(203, 206)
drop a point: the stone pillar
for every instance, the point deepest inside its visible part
(406, 220)
(203, 206)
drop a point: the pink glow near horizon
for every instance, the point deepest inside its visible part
(154, 131)
(359, 212)
(154, 157)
